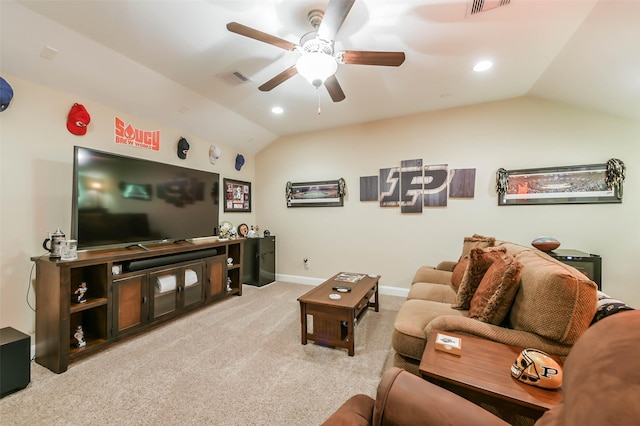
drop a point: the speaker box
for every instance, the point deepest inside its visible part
(15, 371)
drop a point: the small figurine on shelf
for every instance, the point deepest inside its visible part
(81, 292)
(79, 336)
(228, 285)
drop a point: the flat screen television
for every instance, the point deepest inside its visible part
(120, 200)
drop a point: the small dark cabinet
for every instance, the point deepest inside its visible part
(259, 261)
(588, 264)
(15, 350)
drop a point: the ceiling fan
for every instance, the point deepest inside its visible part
(318, 61)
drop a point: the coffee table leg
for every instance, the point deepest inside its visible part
(351, 335)
(377, 299)
(303, 322)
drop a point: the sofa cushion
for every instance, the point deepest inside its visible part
(554, 300)
(480, 259)
(474, 241)
(458, 272)
(434, 292)
(409, 338)
(493, 298)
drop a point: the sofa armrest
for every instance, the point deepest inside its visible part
(507, 336)
(429, 274)
(356, 411)
(405, 399)
(447, 265)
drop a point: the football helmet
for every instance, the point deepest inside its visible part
(537, 368)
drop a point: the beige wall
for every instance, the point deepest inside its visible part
(36, 179)
(517, 133)
(36, 172)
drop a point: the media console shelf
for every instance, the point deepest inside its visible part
(128, 290)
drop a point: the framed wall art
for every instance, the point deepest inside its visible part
(556, 185)
(237, 196)
(329, 193)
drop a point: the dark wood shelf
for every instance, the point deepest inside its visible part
(91, 344)
(89, 304)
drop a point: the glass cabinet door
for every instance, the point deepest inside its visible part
(193, 289)
(165, 285)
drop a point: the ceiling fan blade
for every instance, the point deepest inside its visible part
(237, 28)
(279, 79)
(334, 89)
(333, 19)
(359, 57)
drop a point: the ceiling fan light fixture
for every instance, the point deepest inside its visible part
(316, 67)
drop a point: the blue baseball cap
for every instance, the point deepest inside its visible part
(239, 161)
(6, 94)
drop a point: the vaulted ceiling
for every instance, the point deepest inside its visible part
(175, 62)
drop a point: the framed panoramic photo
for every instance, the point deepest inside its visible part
(237, 196)
(558, 185)
(328, 193)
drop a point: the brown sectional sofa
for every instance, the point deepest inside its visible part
(553, 304)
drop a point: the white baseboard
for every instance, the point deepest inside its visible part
(389, 291)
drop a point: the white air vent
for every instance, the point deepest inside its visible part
(234, 78)
(478, 6)
(49, 52)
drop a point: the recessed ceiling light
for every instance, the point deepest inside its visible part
(277, 110)
(482, 66)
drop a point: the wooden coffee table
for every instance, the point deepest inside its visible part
(482, 375)
(334, 319)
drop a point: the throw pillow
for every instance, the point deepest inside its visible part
(608, 306)
(479, 261)
(458, 272)
(474, 241)
(493, 298)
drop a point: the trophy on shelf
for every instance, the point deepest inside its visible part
(79, 336)
(228, 285)
(81, 293)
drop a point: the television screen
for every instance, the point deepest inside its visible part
(125, 200)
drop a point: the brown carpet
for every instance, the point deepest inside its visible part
(237, 362)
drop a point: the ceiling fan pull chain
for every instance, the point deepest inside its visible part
(319, 109)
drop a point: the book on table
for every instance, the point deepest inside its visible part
(349, 277)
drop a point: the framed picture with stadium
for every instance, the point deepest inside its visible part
(557, 185)
(328, 193)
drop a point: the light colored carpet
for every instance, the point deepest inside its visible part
(237, 362)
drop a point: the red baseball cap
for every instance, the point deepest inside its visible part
(78, 120)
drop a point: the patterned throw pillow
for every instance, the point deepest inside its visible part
(479, 261)
(476, 241)
(493, 298)
(458, 272)
(608, 306)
